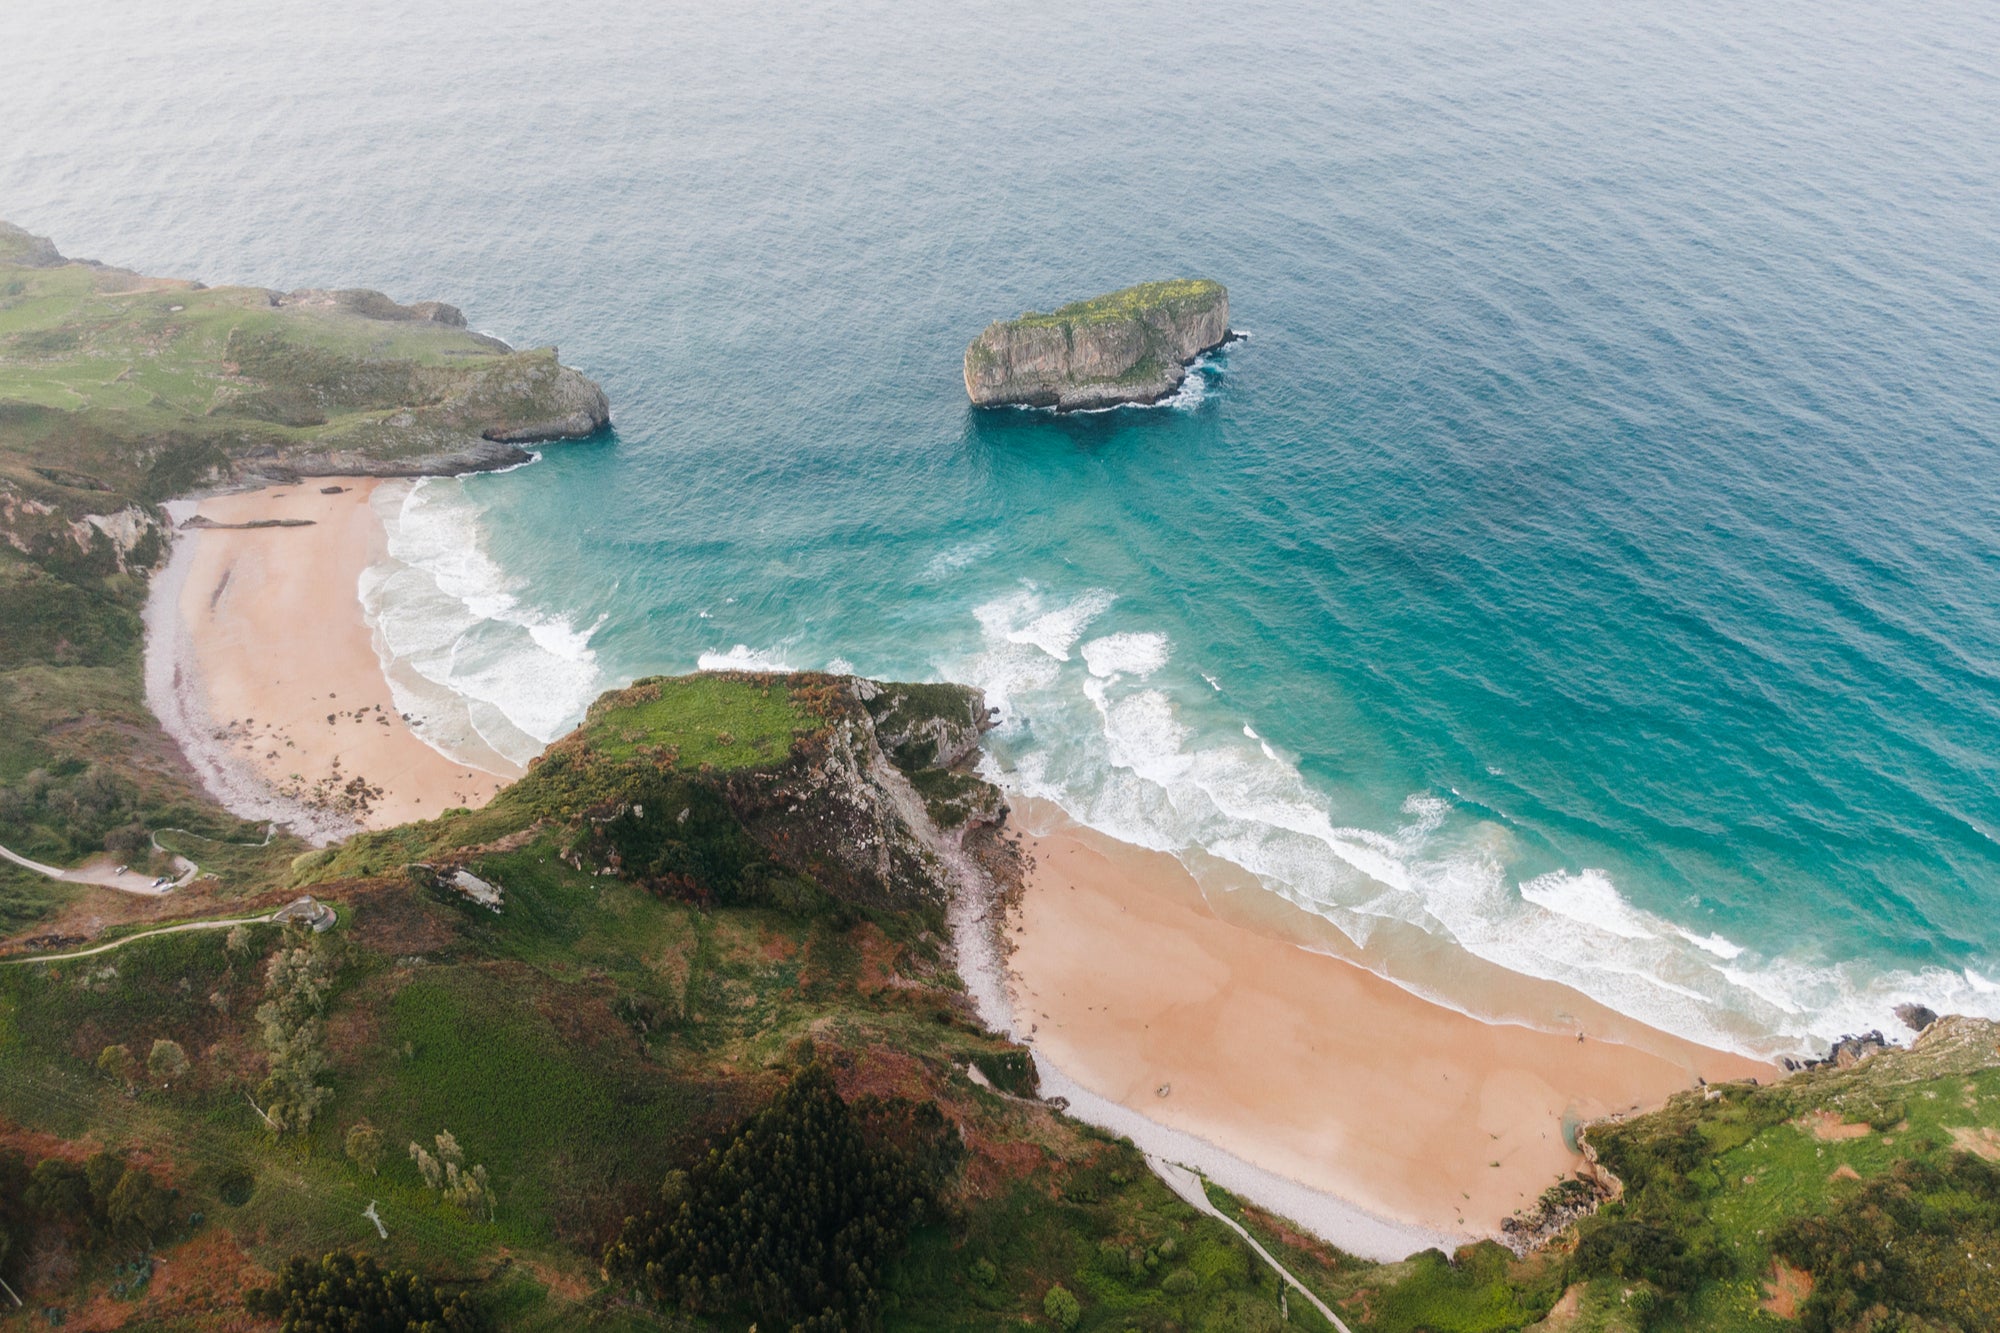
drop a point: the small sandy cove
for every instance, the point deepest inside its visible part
(1306, 1065)
(284, 663)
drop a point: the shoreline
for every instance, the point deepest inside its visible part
(1363, 1111)
(260, 663)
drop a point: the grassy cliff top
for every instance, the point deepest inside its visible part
(1176, 295)
(128, 387)
(717, 721)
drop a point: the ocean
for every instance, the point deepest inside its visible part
(1588, 566)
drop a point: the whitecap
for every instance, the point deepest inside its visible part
(1129, 756)
(1125, 654)
(1054, 632)
(1716, 944)
(1589, 899)
(741, 658)
(954, 558)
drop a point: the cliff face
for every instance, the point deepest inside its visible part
(771, 788)
(1129, 346)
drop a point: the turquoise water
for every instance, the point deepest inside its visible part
(1590, 559)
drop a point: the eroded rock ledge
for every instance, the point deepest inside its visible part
(1129, 346)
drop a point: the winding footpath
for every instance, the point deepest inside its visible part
(124, 940)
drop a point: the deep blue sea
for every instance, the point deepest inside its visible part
(1590, 563)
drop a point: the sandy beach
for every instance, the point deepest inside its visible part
(1308, 1066)
(262, 664)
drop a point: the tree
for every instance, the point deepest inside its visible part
(167, 1061)
(58, 1191)
(237, 942)
(137, 1209)
(448, 1174)
(112, 1200)
(364, 1146)
(340, 1294)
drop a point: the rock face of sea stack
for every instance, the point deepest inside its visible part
(1129, 346)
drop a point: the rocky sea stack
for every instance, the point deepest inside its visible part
(1130, 346)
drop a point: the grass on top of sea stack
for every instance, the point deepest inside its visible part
(1177, 295)
(720, 721)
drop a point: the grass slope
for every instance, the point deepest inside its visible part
(1177, 296)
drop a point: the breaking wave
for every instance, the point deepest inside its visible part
(483, 676)
(1127, 752)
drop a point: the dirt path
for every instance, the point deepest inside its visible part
(122, 941)
(1189, 1186)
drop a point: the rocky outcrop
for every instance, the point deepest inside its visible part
(846, 810)
(370, 304)
(1130, 346)
(22, 247)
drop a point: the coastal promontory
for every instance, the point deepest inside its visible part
(162, 385)
(1129, 346)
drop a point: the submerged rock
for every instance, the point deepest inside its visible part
(1129, 346)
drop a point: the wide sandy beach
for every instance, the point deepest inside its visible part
(1306, 1065)
(272, 668)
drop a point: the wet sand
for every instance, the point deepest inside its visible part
(279, 674)
(1305, 1065)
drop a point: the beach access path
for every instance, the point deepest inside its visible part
(1190, 1187)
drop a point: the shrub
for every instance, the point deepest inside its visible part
(364, 1146)
(1063, 1309)
(116, 1063)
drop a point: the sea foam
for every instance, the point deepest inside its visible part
(741, 658)
(479, 672)
(1121, 747)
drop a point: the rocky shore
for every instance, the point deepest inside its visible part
(1129, 346)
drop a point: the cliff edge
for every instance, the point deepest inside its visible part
(1129, 346)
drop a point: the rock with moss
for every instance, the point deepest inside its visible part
(1129, 346)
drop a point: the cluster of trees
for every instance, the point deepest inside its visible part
(338, 1293)
(71, 808)
(794, 1219)
(447, 1174)
(297, 981)
(166, 1063)
(100, 1201)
